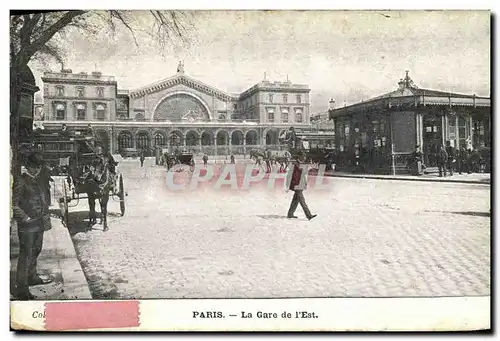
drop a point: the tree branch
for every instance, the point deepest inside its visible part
(118, 15)
(50, 31)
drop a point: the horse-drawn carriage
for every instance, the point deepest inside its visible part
(87, 170)
(180, 160)
(298, 146)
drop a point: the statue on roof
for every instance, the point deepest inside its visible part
(180, 67)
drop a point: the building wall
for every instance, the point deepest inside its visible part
(70, 97)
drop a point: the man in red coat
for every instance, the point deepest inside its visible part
(297, 180)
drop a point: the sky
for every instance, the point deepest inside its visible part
(346, 55)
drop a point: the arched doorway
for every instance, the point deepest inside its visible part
(237, 138)
(251, 138)
(176, 139)
(192, 138)
(143, 141)
(125, 140)
(207, 138)
(271, 137)
(222, 138)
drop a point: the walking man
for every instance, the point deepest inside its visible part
(31, 210)
(205, 159)
(297, 180)
(142, 157)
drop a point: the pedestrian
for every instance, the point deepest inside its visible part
(142, 157)
(232, 158)
(462, 161)
(297, 182)
(268, 160)
(205, 159)
(419, 166)
(450, 162)
(442, 158)
(31, 210)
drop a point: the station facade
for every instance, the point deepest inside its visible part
(177, 112)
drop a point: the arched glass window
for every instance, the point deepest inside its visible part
(142, 140)
(159, 139)
(100, 112)
(80, 112)
(60, 112)
(125, 140)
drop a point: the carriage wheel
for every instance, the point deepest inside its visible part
(65, 208)
(121, 194)
(191, 166)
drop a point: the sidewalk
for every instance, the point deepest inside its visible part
(58, 261)
(474, 178)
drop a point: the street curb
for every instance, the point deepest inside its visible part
(74, 282)
(408, 179)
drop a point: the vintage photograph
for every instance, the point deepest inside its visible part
(162, 154)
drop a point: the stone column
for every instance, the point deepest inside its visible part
(215, 145)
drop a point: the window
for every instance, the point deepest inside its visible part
(60, 91)
(235, 106)
(284, 117)
(271, 98)
(80, 112)
(299, 99)
(159, 139)
(139, 116)
(285, 98)
(60, 112)
(100, 92)
(222, 117)
(80, 92)
(298, 116)
(125, 140)
(270, 115)
(100, 112)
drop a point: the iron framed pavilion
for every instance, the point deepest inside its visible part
(380, 135)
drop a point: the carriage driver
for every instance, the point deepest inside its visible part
(292, 138)
(101, 155)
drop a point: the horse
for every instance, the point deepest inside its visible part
(100, 181)
(258, 156)
(283, 159)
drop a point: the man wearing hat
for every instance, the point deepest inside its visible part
(30, 208)
(297, 182)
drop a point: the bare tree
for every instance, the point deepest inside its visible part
(36, 35)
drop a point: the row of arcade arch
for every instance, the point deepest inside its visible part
(145, 140)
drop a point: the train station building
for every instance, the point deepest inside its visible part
(177, 112)
(382, 133)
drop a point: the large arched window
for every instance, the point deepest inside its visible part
(125, 140)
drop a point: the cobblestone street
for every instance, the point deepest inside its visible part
(371, 238)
